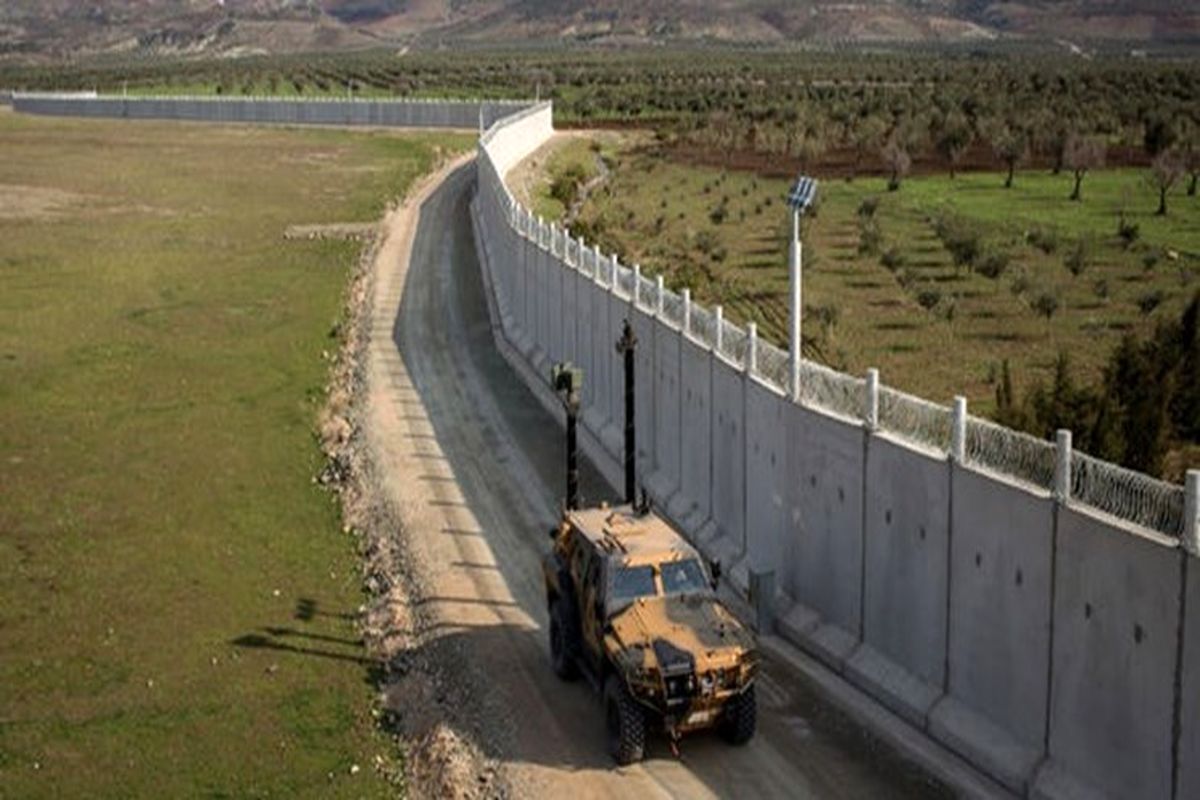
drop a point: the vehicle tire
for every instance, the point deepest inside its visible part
(626, 723)
(564, 642)
(741, 718)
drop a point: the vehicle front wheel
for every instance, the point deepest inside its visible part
(741, 717)
(563, 642)
(626, 723)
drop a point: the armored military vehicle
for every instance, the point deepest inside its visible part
(633, 608)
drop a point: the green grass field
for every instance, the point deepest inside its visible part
(161, 365)
(725, 235)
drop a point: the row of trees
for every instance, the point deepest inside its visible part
(1172, 146)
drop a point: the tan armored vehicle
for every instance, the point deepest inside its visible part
(633, 608)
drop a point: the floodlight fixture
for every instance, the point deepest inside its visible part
(802, 194)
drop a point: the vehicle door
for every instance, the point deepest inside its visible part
(591, 612)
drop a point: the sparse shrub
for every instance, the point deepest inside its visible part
(565, 186)
(1044, 239)
(718, 214)
(826, 315)
(757, 209)
(1020, 283)
(1045, 304)
(1149, 301)
(1150, 260)
(1128, 231)
(868, 207)
(1100, 289)
(1076, 259)
(929, 298)
(993, 264)
(706, 242)
(869, 238)
(947, 307)
(905, 278)
(892, 258)
(960, 238)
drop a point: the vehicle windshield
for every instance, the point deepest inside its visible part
(683, 577)
(630, 583)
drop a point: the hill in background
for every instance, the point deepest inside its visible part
(56, 28)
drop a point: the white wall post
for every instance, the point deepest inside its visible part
(1062, 466)
(659, 296)
(871, 399)
(719, 325)
(796, 308)
(1191, 512)
(751, 365)
(613, 266)
(958, 431)
(637, 285)
(687, 311)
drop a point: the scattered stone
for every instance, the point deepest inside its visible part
(354, 769)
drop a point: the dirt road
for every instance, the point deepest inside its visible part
(474, 465)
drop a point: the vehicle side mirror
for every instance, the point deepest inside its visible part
(714, 567)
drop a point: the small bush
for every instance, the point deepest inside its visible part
(1020, 284)
(905, 278)
(1076, 259)
(1044, 239)
(1150, 260)
(993, 264)
(960, 238)
(870, 239)
(893, 258)
(718, 214)
(1045, 304)
(929, 298)
(827, 316)
(868, 207)
(1128, 231)
(706, 242)
(1149, 301)
(1100, 289)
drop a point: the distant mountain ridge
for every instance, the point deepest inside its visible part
(62, 27)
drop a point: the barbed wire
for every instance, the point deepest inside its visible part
(774, 365)
(1127, 494)
(1008, 452)
(915, 420)
(831, 390)
(672, 308)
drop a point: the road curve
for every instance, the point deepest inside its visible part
(475, 465)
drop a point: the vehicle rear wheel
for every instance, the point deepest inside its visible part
(563, 642)
(741, 717)
(626, 722)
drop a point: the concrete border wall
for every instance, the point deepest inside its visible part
(1051, 646)
(401, 113)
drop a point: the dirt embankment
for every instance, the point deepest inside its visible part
(421, 703)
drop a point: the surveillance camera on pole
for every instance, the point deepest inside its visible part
(800, 198)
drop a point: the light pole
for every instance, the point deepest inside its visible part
(799, 199)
